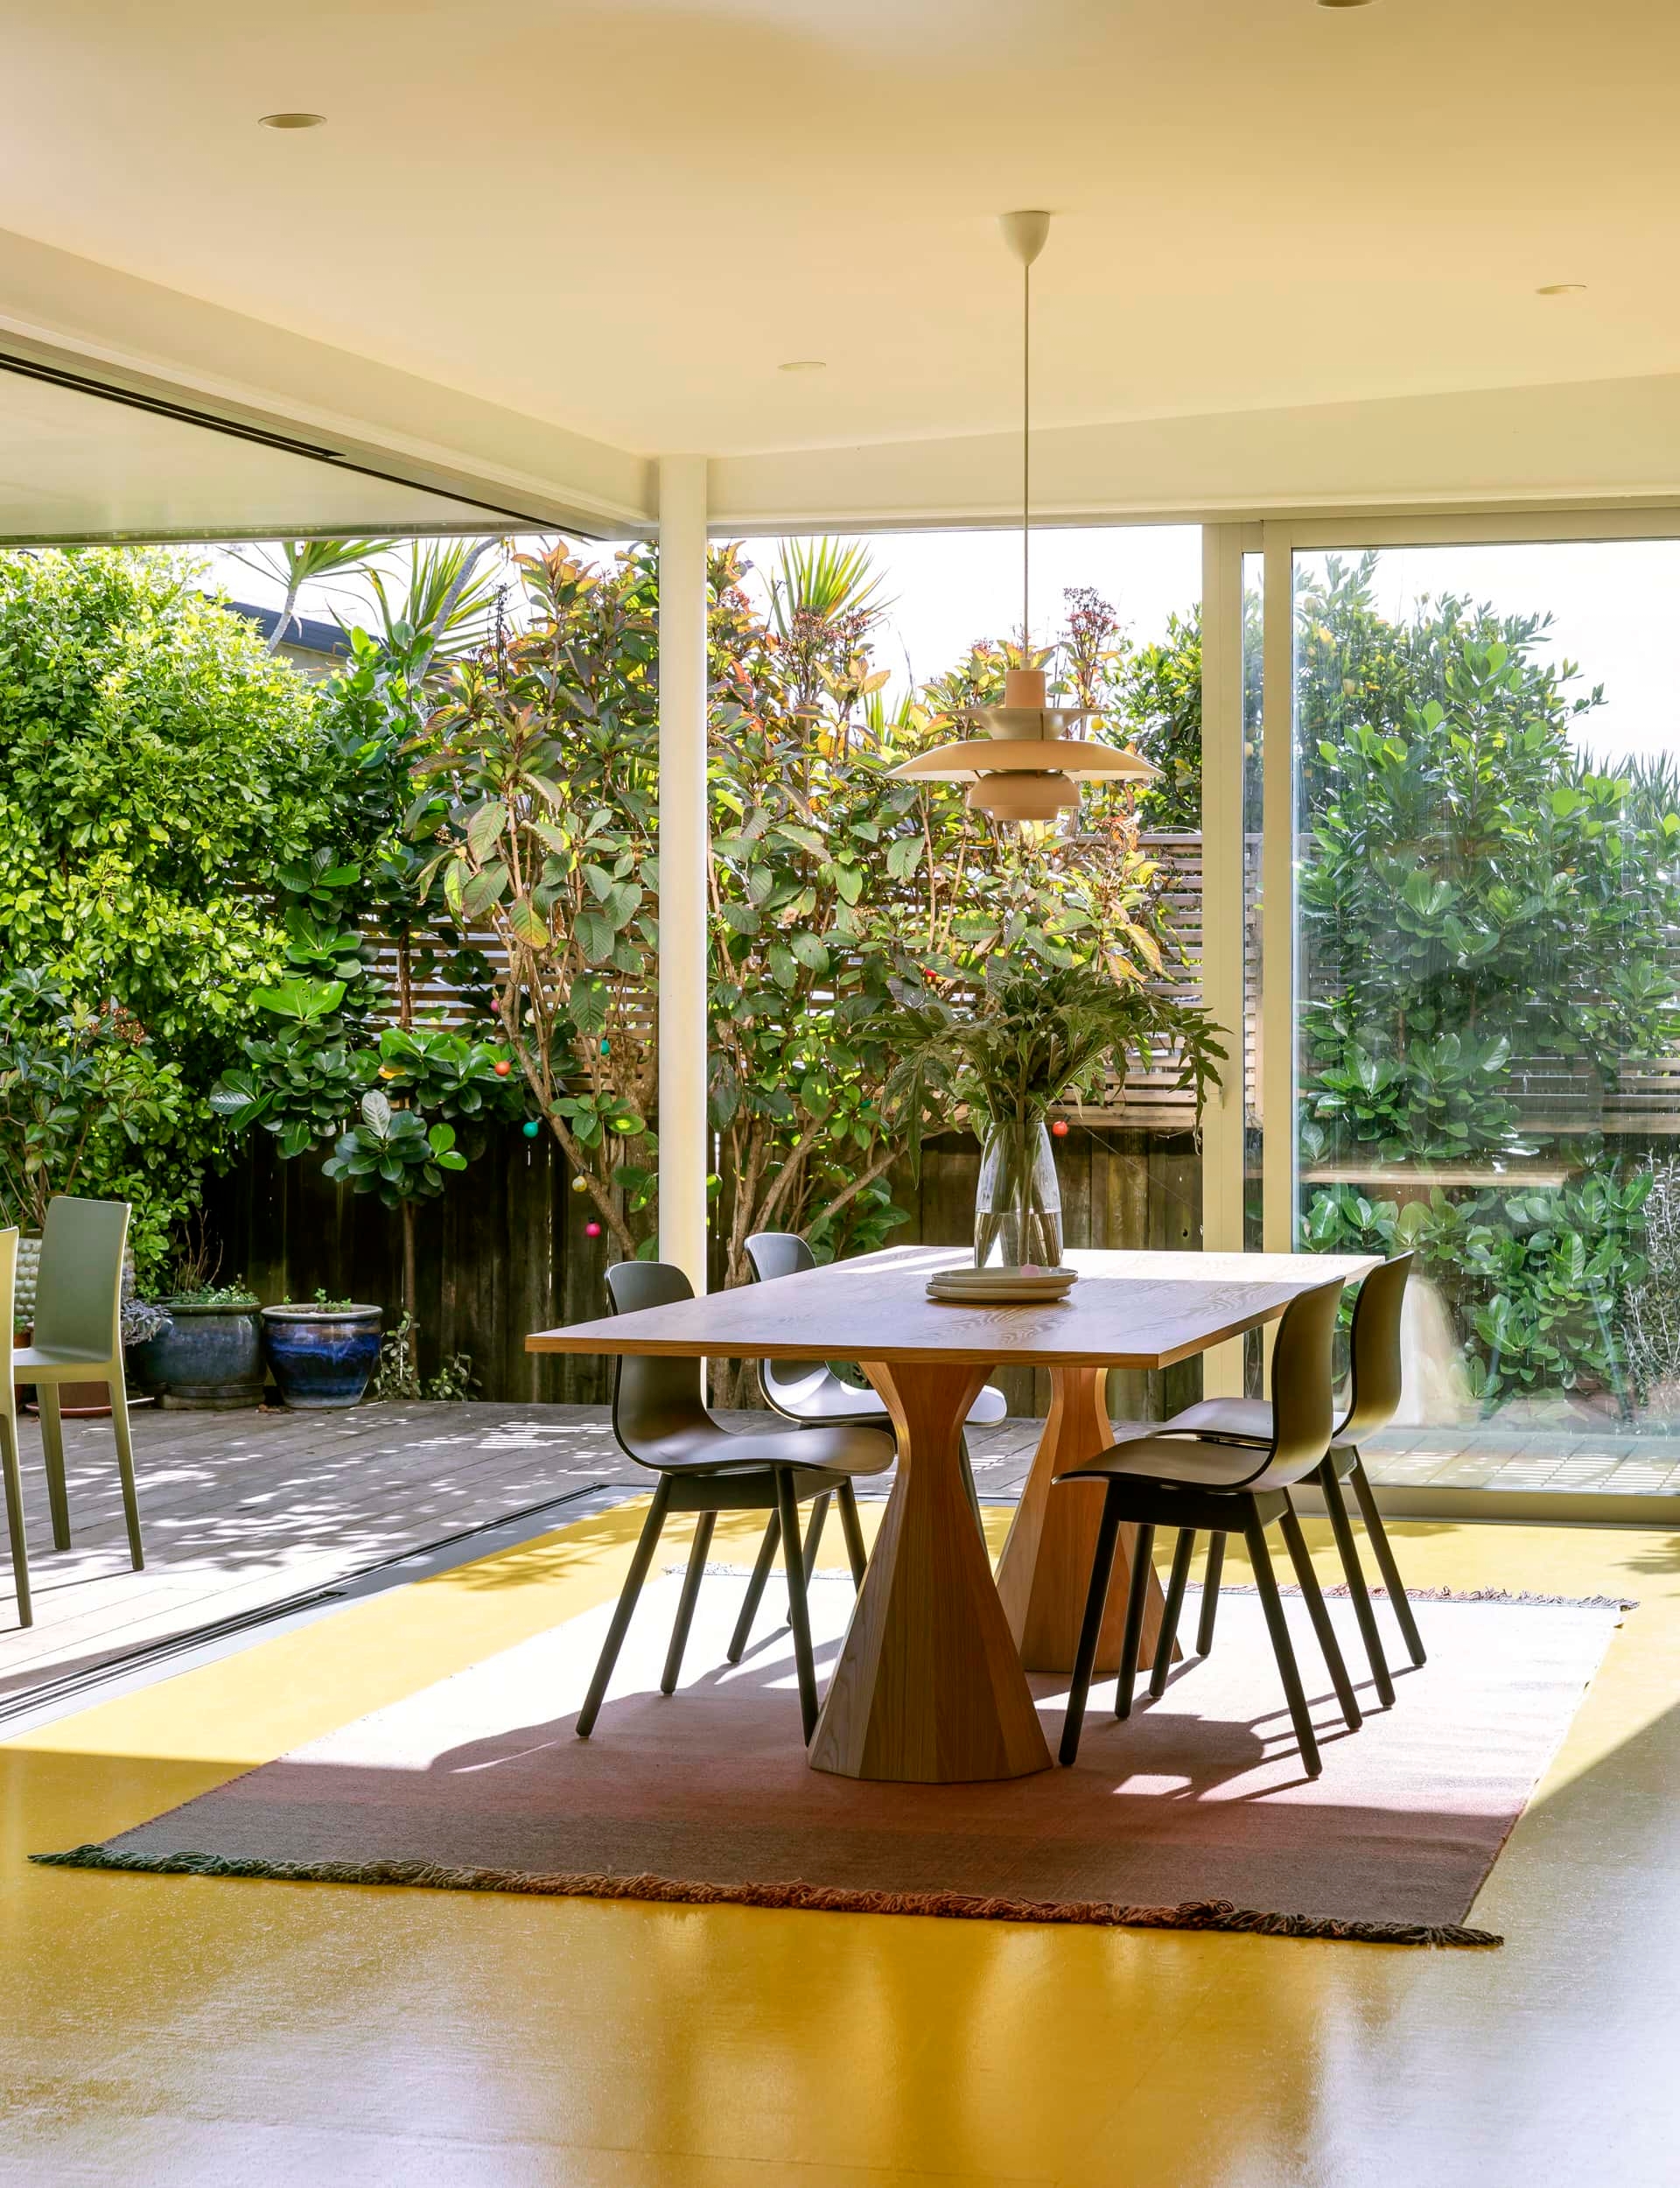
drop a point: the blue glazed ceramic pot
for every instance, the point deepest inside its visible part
(209, 1359)
(322, 1357)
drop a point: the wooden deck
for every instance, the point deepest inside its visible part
(243, 1511)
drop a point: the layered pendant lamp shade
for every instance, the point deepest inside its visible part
(1027, 762)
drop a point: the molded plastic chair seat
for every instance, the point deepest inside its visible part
(1373, 1400)
(53, 1356)
(1189, 1462)
(1190, 1483)
(844, 1450)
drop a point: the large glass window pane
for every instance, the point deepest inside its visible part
(1488, 912)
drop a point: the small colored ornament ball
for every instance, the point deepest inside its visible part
(592, 1230)
(580, 1185)
(1060, 1127)
(502, 1068)
(531, 1128)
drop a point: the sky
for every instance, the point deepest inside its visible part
(1613, 603)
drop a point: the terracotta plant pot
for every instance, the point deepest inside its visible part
(323, 1358)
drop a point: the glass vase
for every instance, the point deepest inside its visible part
(1017, 1207)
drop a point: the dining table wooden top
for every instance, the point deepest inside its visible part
(1128, 1310)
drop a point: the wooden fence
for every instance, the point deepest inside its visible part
(503, 1251)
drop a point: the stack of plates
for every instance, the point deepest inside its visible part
(1010, 1286)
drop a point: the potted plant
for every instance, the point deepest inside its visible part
(1033, 1036)
(322, 1355)
(207, 1357)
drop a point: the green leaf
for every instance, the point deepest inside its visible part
(903, 857)
(302, 1000)
(594, 937)
(484, 830)
(527, 925)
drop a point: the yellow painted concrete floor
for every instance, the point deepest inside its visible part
(187, 2032)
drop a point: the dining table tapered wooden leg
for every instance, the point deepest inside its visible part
(1045, 1567)
(929, 1687)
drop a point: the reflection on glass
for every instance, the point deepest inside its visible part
(1487, 1033)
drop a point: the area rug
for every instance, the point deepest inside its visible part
(1193, 1814)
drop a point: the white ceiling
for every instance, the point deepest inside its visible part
(618, 217)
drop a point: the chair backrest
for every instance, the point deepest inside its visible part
(654, 1400)
(79, 1294)
(1303, 1401)
(773, 1253)
(778, 1253)
(1375, 1398)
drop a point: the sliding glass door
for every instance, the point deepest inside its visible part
(1483, 815)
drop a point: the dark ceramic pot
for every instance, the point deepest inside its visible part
(208, 1360)
(322, 1357)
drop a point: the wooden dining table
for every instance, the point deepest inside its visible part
(930, 1684)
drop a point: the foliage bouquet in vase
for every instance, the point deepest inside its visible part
(1033, 1036)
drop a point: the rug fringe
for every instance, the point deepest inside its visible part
(1191, 1914)
(1246, 1587)
(1448, 1595)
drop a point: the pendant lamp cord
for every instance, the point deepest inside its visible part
(1026, 459)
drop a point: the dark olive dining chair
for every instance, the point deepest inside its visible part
(1194, 1482)
(1372, 1400)
(661, 1421)
(810, 1392)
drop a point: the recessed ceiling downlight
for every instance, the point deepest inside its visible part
(1344, 3)
(299, 121)
(1562, 288)
(804, 364)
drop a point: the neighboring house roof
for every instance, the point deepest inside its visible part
(304, 635)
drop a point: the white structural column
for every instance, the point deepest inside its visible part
(1277, 893)
(1222, 937)
(684, 1140)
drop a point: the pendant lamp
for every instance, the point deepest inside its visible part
(1028, 760)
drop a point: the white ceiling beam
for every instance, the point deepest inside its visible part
(1581, 443)
(69, 316)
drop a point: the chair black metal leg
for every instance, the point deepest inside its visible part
(1107, 1535)
(1175, 1588)
(852, 1527)
(621, 1616)
(1336, 1504)
(1210, 1578)
(1312, 1594)
(1132, 1640)
(686, 1601)
(14, 1486)
(1260, 1558)
(969, 1488)
(1386, 1566)
(813, 1532)
(764, 1560)
(798, 1616)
